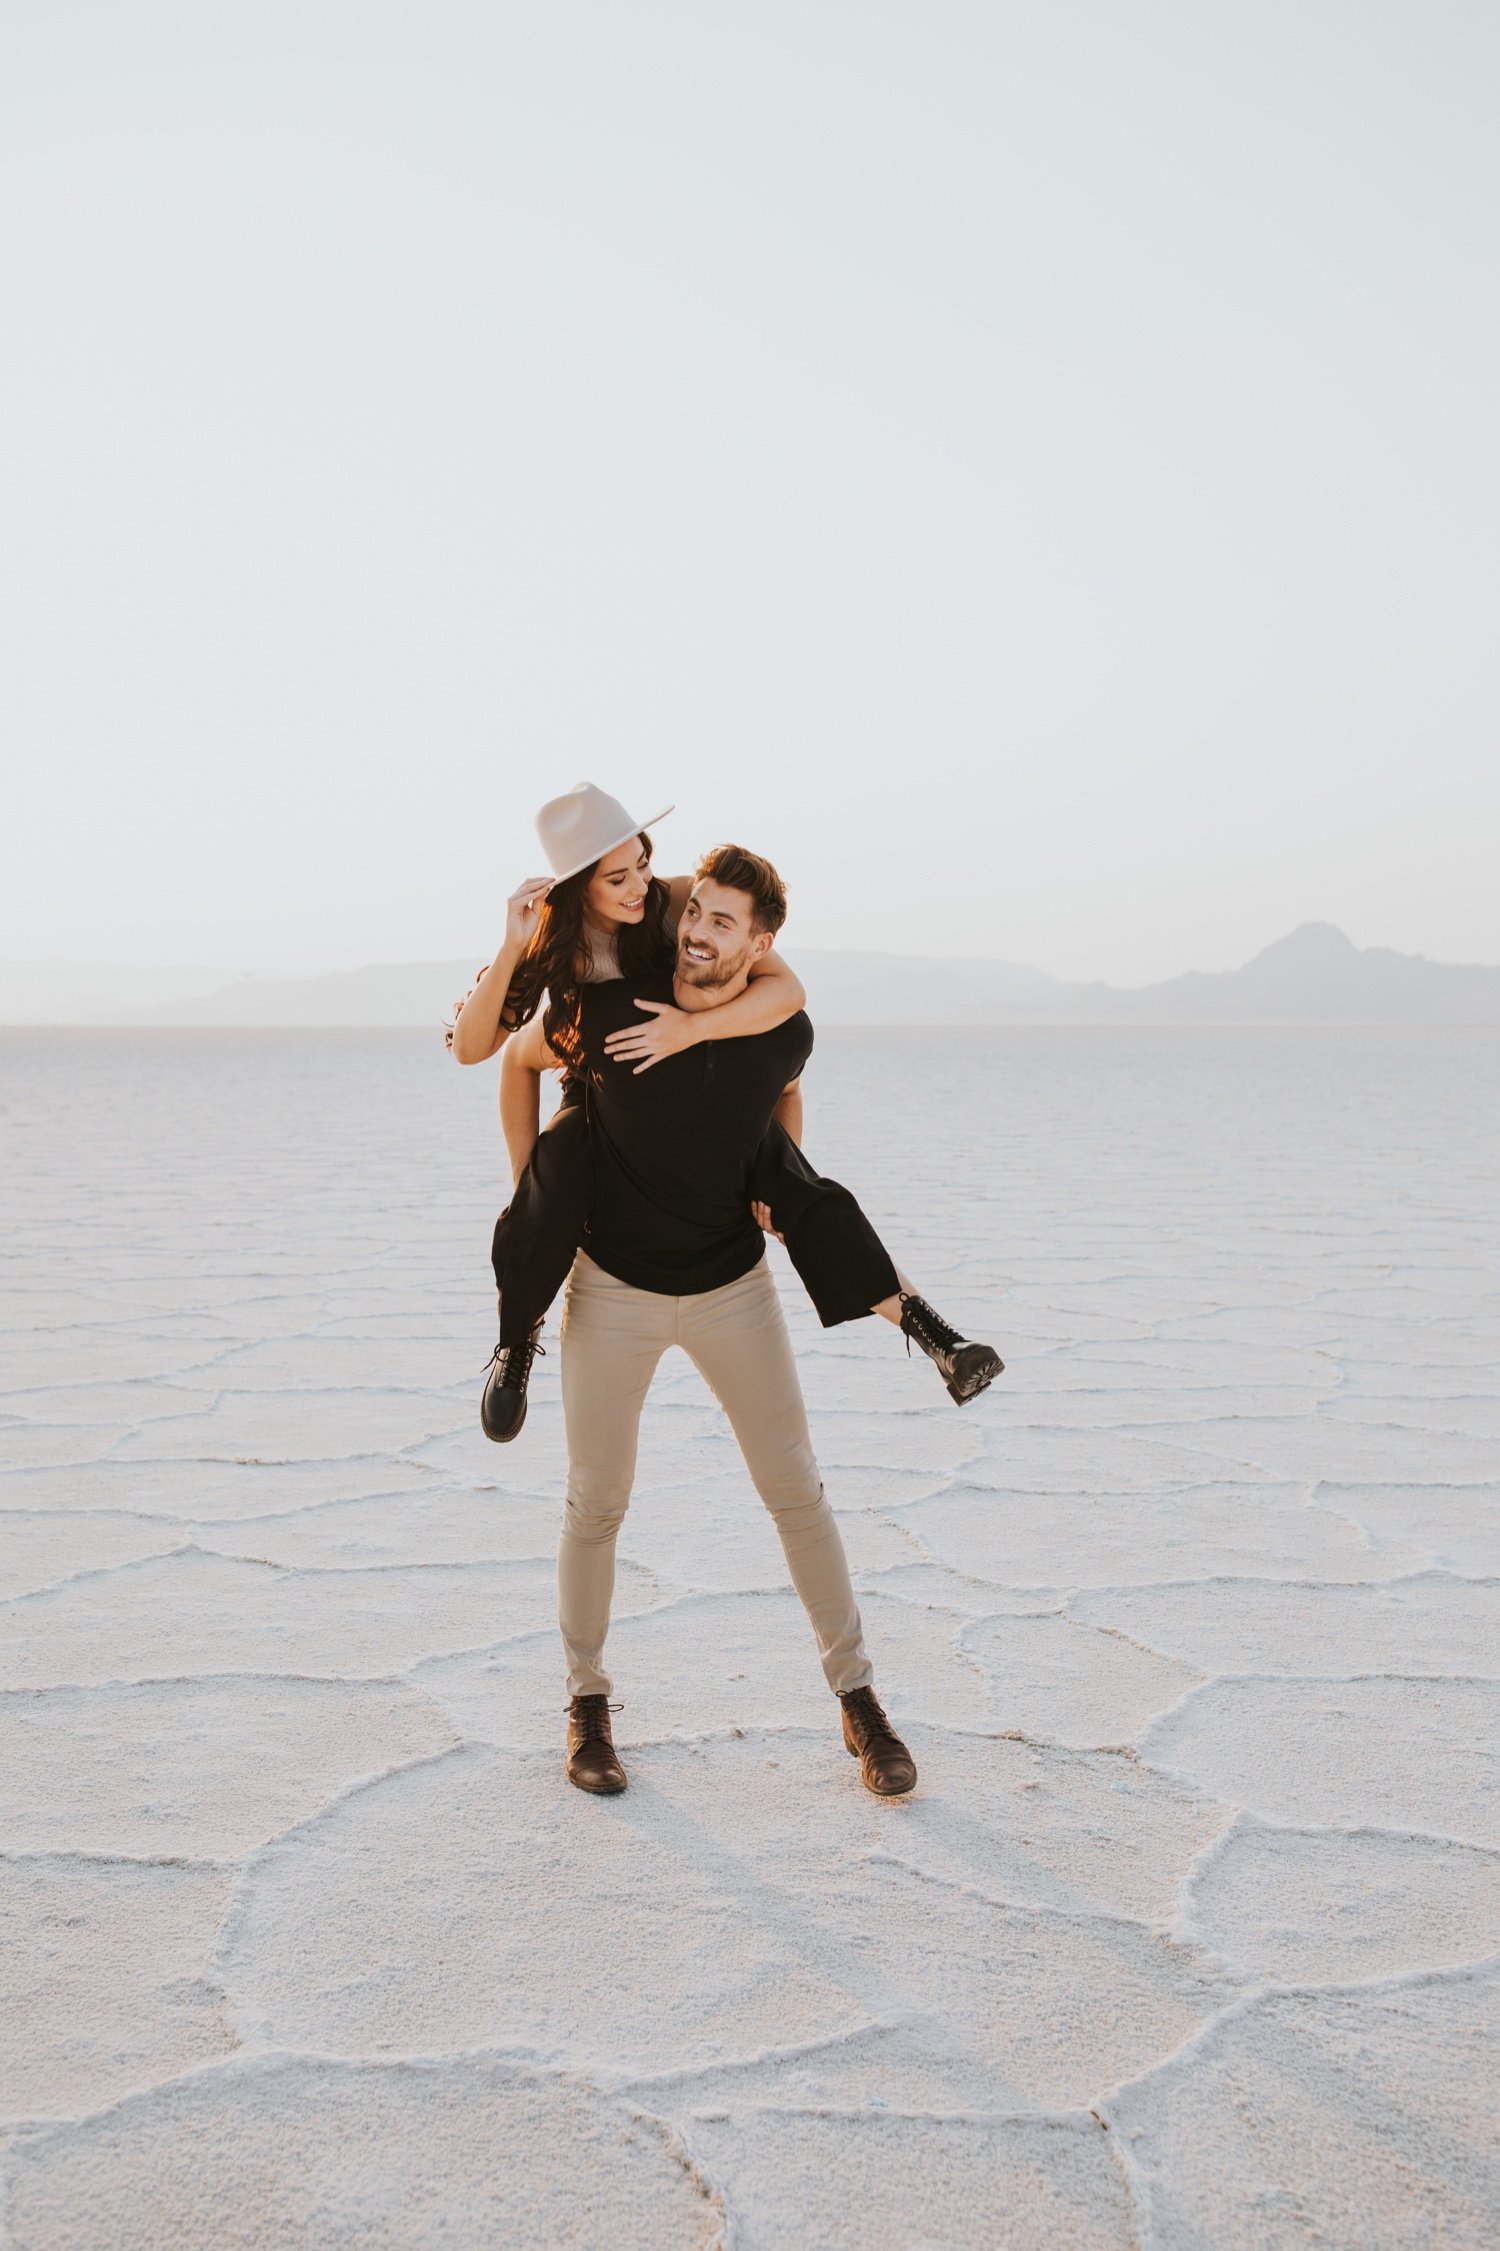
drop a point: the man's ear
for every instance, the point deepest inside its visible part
(762, 943)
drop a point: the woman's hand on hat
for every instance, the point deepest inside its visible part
(762, 1216)
(522, 908)
(668, 1033)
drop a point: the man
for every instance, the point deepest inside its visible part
(673, 1255)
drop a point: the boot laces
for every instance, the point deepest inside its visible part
(930, 1330)
(513, 1362)
(871, 1725)
(590, 1715)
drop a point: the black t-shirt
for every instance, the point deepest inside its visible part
(673, 1146)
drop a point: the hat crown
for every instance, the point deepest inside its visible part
(582, 825)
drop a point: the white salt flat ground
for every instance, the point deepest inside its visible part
(1190, 1934)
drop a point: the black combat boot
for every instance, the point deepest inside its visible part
(502, 1410)
(967, 1369)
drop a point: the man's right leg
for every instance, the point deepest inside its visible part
(612, 1340)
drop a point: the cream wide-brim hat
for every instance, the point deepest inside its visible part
(579, 828)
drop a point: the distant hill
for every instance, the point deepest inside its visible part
(395, 994)
(1313, 976)
(391, 993)
(94, 992)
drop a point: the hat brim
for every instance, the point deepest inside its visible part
(634, 829)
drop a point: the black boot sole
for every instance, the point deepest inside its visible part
(974, 1370)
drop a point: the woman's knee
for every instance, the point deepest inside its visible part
(560, 1158)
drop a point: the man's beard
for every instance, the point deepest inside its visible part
(708, 975)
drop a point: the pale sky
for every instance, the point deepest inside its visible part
(1033, 470)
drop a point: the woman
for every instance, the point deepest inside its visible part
(603, 914)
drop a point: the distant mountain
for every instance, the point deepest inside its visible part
(94, 992)
(1313, 976)
(391, 993)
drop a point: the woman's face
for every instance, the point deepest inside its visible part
(617, 888)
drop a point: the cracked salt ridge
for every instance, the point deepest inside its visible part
(706, 1662)
(338, 1943)
(1291, 1906)
(193, 1612)
(140, 1770)
(420, 1528)
(45, 1549)
(1022, 1457)
(1143, 1414)
(33, 1358)
(1019, 1539)
(33, 1446)
(1430, 1623)
(1359, 1898)
(1446, 1418)
(302, 1363)
(138, 1402)
(1383, 1751)
(302, 1426)
(1459, 1526)
(1314, 2115)
(1055, 1680)
(800, 2173)
(1318, 1447)
(297, 2149)
(188, 1492)
(106, 1988)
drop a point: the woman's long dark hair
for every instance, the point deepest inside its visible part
(556, 959)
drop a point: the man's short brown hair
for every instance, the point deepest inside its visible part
(739, 870)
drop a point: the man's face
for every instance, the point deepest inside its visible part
(715, 942)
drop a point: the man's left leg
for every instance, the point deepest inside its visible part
(737, 1339)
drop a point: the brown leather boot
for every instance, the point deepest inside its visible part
(886, 1766)
(592, 1764)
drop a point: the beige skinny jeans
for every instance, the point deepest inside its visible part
(613, 1338)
